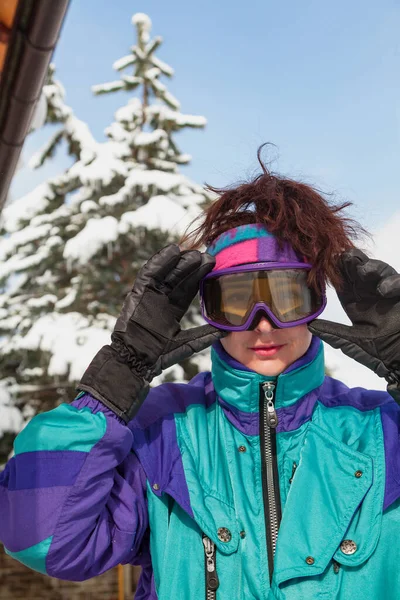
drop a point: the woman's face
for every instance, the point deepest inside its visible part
(266, 350)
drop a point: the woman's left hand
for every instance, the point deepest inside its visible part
(370, 296)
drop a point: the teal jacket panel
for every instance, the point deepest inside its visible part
(335, 540)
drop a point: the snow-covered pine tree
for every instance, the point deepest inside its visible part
(29, 246)
(71, 248)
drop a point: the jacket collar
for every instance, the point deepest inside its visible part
(238, 387)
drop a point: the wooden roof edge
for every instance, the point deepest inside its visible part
(35, 32)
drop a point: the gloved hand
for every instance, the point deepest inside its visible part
(371, 298)
(147, 337)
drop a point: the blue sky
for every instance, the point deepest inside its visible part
(320, 80)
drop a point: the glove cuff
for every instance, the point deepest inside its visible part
(110, 380)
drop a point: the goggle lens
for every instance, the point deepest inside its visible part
(229, 298)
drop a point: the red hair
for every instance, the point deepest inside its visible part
(291, 210)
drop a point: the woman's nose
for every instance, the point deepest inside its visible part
(263, 324)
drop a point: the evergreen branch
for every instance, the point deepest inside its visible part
(48, 150)
(154, 44)
(164, 68)
(107, 88)
(124, 62)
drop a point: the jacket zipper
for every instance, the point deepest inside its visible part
(212, 581)
(269, 467)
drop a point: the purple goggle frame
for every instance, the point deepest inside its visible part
(267, 266)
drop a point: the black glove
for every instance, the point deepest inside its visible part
(147, 337)
(371, 298)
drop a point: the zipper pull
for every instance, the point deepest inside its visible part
(212, 581)
(272, 417)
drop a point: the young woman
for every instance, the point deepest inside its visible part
(262, 479)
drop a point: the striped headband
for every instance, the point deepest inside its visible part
(250, 244)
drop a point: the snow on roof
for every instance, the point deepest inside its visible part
(96, 234)
(26, 207)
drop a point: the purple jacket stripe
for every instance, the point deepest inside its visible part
(55, 468)
(29, 516)
(104, 517)
(391, 427)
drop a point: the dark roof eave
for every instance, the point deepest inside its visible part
(35, 33)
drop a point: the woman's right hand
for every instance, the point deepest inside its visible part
(147, 337)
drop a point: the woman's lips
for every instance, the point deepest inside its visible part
(266, 350)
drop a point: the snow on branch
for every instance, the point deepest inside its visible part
(47, 151)
(145, 138)
(130, 112)
(154, 44)
(79, 132)
(160, 90)
(67, 300)
(69, 338)
(9, 245)
(96, 234)
(19, 263)
(124, 62)
(26, 207)
(11, 419)
(141, 20)
(106, 88)
(167, 117)
(161, 212)
(171, 100)
(132, 80)
(163, 66)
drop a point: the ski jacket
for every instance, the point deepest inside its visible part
(195, 488)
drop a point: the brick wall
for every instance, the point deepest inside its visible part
(19, 583)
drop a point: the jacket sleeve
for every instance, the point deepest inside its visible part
(73, 498)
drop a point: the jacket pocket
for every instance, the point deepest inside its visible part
(336, 495)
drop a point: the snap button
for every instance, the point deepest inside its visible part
(156, 486)
(348, 547)
(242, 534)
(310, 560)
(358, 474)
(242, 448)
(224, 535)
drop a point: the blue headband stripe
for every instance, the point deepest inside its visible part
(236, 235)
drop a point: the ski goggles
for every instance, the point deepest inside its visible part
(231, 298)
